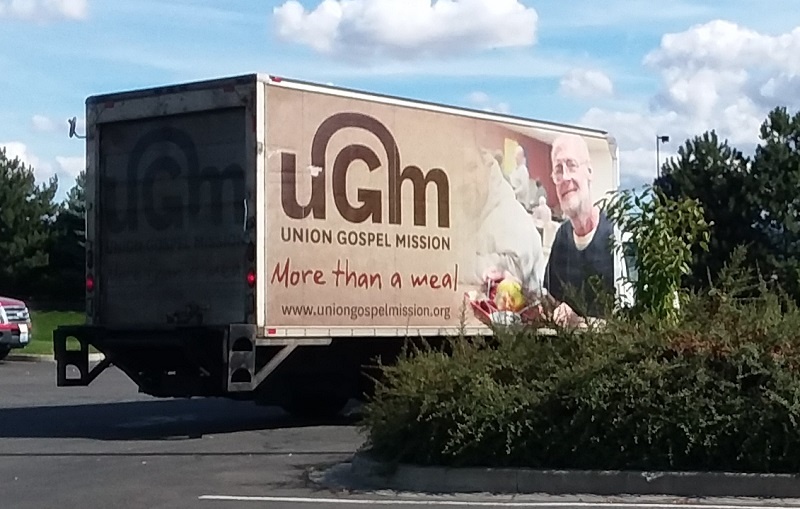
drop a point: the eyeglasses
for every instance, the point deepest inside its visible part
(566, 167)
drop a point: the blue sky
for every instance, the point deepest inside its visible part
(637, 69)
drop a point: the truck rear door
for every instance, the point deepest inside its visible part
(172, 227)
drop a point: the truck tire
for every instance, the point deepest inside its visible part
(4, 351)
(314, 404)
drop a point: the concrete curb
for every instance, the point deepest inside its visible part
(29, 357)
(564, 482)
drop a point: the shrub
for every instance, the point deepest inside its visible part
(717, 389)
(663, 233)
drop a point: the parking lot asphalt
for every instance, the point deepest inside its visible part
(108, 446)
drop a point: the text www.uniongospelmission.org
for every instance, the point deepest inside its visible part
(378, 311)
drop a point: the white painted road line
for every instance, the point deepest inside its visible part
(361, 501)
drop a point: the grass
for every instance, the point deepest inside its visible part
(43, 325)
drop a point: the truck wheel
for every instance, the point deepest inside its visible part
(4, 351)
(315, 405)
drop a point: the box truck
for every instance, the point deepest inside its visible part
(263, 238)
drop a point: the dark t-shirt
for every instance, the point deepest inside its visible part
(569, 269)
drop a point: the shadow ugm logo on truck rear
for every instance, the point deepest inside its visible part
(370, 201)
(163, 169)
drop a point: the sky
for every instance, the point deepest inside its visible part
(636, 69)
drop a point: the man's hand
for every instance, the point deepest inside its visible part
(565, 315)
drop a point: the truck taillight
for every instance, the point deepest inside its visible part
(89, 283)
(251, 278)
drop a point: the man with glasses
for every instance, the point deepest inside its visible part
(581, 248)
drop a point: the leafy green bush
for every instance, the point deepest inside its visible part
(717, 389)
(664, 232)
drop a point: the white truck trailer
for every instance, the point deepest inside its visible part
(264, 238)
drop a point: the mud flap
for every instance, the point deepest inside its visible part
(241, 357)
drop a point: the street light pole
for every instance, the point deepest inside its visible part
(659, 140)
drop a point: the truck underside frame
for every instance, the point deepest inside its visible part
(309, 377)
(184, 353)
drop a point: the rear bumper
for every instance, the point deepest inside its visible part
(164, 361)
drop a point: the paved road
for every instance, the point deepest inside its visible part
(107, 446)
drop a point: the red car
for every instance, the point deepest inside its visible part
(15, 325)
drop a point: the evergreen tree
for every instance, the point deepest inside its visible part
(719, 177)
(750, 201)
(776, 169)
(27, 213)
(67, 253)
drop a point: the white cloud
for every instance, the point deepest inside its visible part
(586, 83)
(724, 76)
(478, 97)
(188, 65)
(721, 44)
(483, 101)
(42, 170)
(630, 128)
(43, 10)
(636, 137)
(43, 124)
(719, 76)
(406, 28)
(72, 166)
(643, 162)
(66, 168)
(18, 150)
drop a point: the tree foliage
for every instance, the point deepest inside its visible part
(750, 201)
(718, 177)
(75, 203)
(26, 218)
(66, 270)
(663, 233)
(776, 170)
